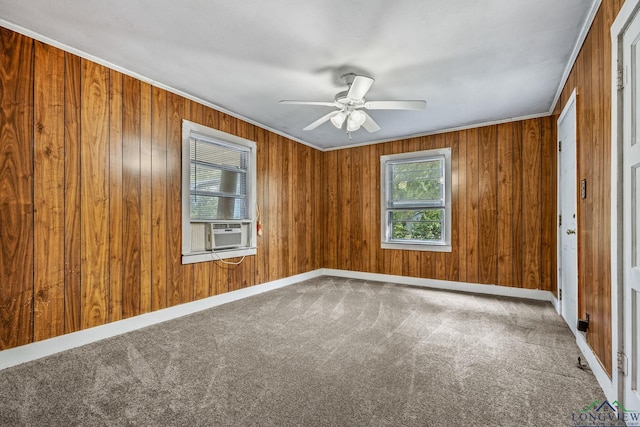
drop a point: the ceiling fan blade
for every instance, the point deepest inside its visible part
(321, 120)
(360, 87)
(328, 104)
(395, 105)
(369, 124)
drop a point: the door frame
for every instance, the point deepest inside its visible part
(619, 26)
(572, 101)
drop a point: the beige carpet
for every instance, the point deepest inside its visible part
(325, 352)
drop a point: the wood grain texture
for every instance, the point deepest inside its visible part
(110, 147)
(505, 203)
(176, 293)
(517, 208)
(116, 218)
(531, 194)
(488, 204)
(473, 204)
(94, 170)
(16, 186)
(145, 198)
(48, 192)
(488, 207)
(158, 199)
(72, 203)
(131, 197)
(122, 215)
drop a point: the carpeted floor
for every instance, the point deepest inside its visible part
(325, 352)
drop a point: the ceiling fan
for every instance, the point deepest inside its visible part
(350, 104)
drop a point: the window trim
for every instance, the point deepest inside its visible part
(385, 242)
(203, 132)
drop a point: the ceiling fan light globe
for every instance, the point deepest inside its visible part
(338, 119)
(356, 119)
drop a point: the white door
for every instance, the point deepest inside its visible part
(631, 215)
(567, 193)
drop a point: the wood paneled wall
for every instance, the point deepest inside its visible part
(503, 208)
(591, 77)
(90, 176)
(90, 179)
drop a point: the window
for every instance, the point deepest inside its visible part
(416, 200)
(218, 194)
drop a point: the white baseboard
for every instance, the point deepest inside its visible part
(534, 294)
(37, 350)
(556, 303)
(598, 371)
(40, 349)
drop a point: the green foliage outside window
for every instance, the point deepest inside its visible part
(417, 225)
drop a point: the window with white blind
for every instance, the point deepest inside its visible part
(416, 200)
(218, 190)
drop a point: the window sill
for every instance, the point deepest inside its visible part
(218, 255)
(416, 247)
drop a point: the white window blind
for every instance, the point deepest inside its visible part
(218, 180)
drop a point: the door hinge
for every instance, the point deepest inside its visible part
(622, 362)
(559, 145)
(560, 293)
(620, 77)
(559, 220)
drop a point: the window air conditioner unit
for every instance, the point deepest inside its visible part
(227, 235)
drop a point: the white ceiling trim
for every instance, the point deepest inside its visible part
(576, 51)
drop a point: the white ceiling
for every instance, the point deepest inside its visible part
(473, 61)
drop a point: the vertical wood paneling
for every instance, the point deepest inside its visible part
(344, 217)
(531, 223)
(262, 158)
(175, 289)
(72, 202)
(331, 196)
(158, 198)
(145, 197)
(488, 179)
(94, 170)
(355, 236)
(131, 197)
(452, 140)
(472, 217)
(517, 207)
(275, 161)
(116, 220)
(548, 180)
(488, 207)
(122, 231)
(505, 205)
(48, 192)
(16, 182)
(287, 220)
(462, 205)
(107, 178)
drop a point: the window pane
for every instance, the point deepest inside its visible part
(417, 183)
(422, 225)
(207, 179)
(216, 207)
(219, 155)
(218, 181)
